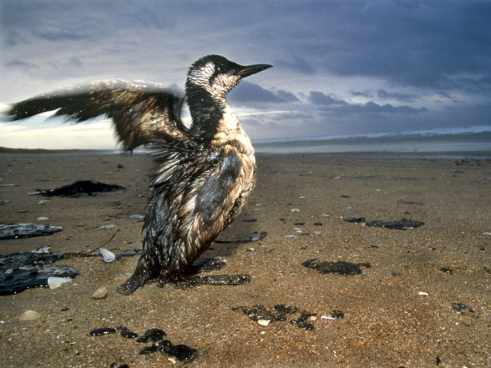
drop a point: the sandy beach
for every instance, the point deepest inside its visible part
(397, 313)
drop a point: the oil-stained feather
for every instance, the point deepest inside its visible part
(217, 187)
(140, 111)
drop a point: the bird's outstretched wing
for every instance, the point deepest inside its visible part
(141, 112)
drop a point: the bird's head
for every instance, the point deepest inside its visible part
(218, 75)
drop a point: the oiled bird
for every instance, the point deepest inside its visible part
(204, 172)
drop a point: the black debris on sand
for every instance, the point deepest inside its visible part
(402, 224)
(152, 335)
(462, 308)
(355, 220)
(336, 314)
(101, 331)
(25, 270)
(79, 188)
(117, 365)
(215, 280)
(280, 312)
(156, 336)
(338, 267)
(255, 236)
(304, 321)
(17, 231)
(126, 332)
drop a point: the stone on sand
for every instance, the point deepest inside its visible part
(29, 315)
(100, 293)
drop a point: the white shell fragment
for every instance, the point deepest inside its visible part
(106, 227)
(293, 210)
(44, 249)
(55, 282)
(137, 217)
(107, 255)
(423, 293)
(263, 322)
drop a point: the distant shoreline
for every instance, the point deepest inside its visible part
(43, 150)
(369, 155)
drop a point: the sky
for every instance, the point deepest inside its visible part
(341, 67)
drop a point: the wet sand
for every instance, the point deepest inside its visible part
(387, 322)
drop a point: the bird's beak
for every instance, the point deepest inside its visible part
(247, 70)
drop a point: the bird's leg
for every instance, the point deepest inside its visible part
(137, 280)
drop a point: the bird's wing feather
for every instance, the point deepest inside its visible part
(140, 111)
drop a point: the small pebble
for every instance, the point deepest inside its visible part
(263, 322)
(100, 293)
(137, 217)
(29, 315)
(293, 210)
(423, 293)
(42, 218)
(172, 360)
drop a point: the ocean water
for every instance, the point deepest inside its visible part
(472, 145)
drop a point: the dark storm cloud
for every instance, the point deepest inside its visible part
(383, 94)
(20, 64)
(332, 104)
(247, 93)
(319, 98)
(398, 55)
(296, 64)
(386, 95)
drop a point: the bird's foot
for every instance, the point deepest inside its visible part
(131, 285)
(180, 280)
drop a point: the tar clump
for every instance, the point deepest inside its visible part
(79, 188)
(462, 308)
(18, 231)
(127, 333)
(25, 270)
(216, 280)
(339, 267)
(403, 224)
(152, 335)
(304, 321)
(280, 312)
(155, 336)
(260, 312)
(102, 331)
